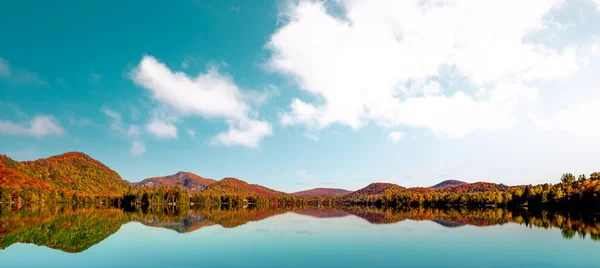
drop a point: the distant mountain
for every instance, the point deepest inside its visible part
(448, 183)
(323, 213)
(321, 192)
(186, 180)
(69, 173)
(476, 187)
(233, 186)
(377, 188)
(190, 223)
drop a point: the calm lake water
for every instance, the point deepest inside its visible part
(295, 237)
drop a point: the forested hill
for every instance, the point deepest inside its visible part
(233, 186)
(322, 192)
(76, 177)
(66, 174)
(448, 183)
(186, 180)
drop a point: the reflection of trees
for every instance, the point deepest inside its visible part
(571, 225)
(70, 229)
(73, 228)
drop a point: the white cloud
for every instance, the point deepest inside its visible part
(116, 116)
(209, 95)
(580, 120)
(246, 133)
(187, 62)
(137, 148)
(301, 173)
(130, 132)
(80, 122)
(396, 136)
(20, 77)
(432, 88)
(261, 97)
(192, 133)
(24, 77)
(357, 63)
(38, 127)
(95, 77)
(4, 68)
(162, 129)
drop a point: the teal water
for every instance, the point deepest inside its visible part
(300, 238)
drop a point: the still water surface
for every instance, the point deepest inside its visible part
(295, 237)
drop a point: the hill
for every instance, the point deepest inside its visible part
(322, 192)
(185, 180)
(68, 173)
(476, 187)
(448, 183)
(233, 186)
(377, 188)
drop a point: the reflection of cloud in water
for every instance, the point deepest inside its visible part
(261, 230)
(307, 232)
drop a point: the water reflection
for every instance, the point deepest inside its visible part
(75, 228)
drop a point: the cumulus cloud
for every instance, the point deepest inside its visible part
(130, 132)
(38, 127)
(246, 133)
(19, 76)
(579, 120)
(396, 136)
(137, 148)
(261, 97)
(357, 60)
(162, 129)
(209, 95)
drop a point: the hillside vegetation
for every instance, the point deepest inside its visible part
(58, 178)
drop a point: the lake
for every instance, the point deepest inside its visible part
(91, 236)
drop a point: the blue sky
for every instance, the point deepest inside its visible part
(303, 94)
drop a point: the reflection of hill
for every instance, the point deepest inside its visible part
(448, 224)
(67, 230)
(446, 217)
(199, 217)
(188, 224)
(235, 217)
(75, 229)
(323, 213)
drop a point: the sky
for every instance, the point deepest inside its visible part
(303, 94)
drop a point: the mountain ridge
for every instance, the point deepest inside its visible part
(186, 180)
(321, 192)
(447, 183)
(78, 173)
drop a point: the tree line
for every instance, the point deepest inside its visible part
(581, 192)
